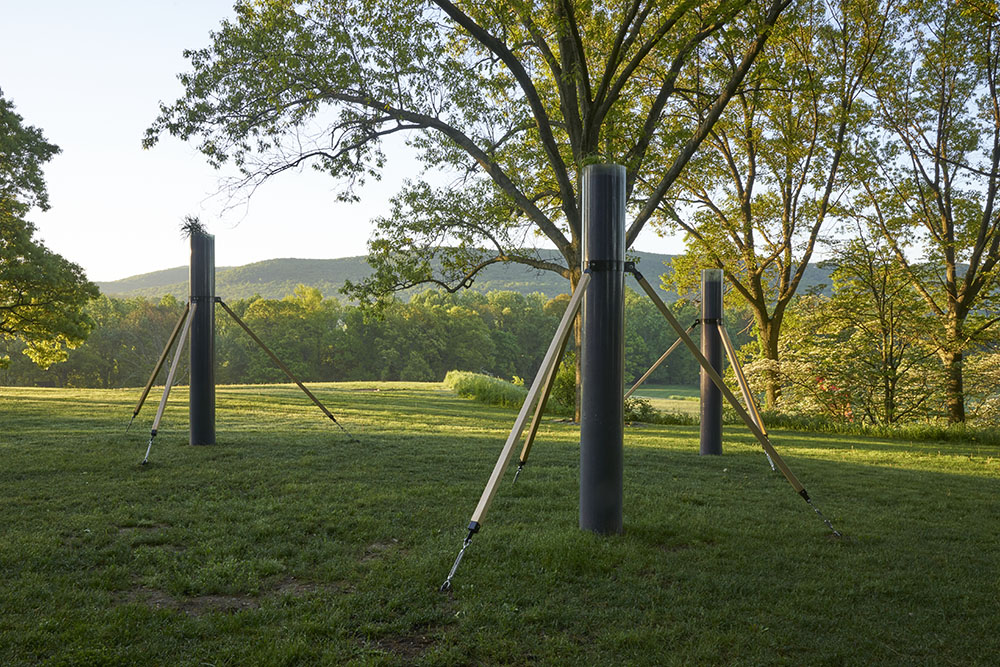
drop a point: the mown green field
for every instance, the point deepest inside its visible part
(286, 543)
(676, 399)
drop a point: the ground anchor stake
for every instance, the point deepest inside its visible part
(828, 523)
(473, 529)
(149, 447)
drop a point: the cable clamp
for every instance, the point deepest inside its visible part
(606, 265)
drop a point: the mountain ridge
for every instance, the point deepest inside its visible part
(276, 278)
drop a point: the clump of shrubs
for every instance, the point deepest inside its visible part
(563, 394)
(486, 389)
(638, 409)
(494, 391)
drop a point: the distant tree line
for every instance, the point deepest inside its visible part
(501, 333)
(862, 354)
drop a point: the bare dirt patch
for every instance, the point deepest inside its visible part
(378, 549)
(407, 647)
(298, 587)
(195, 605)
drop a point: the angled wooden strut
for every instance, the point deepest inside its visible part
(548, 363)
(170, 376)
(757, 431)
(280, 365)
(159, 364)
(659, 361)
(741, 380)
(543, 399)
(542, 382)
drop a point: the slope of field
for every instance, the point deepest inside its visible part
(288, 543)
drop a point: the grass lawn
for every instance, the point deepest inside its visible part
(287, 544)
(679, 399)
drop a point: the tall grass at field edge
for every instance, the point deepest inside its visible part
(486, 389)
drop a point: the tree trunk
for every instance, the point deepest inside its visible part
(768, 343)
(952, 359)
(954, 390)
(889, 401)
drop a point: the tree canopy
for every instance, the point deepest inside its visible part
(756, 198)
(506, 99)
(23, 151)
(931, 183)
(41, 293)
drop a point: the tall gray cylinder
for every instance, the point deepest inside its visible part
(201, 407)
(602, 420)
(711, 347)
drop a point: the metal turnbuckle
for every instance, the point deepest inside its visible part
(825, 520)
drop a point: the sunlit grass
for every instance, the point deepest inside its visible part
(287, 543)
(672, 399)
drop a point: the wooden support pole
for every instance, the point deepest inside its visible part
(277, 361)
(159, 362)
(170, 380)
(757, 432)
(533, 393)
(536, 420)
(741, 379)
(659, 362)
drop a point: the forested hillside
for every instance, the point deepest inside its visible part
(277, 278)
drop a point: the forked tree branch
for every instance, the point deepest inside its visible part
(516, 68)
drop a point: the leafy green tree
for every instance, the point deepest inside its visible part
(521, 330)
(982, 368)
(647, 336)
(863, 354)
(145, 329)
(932, 182)
(755, 200)
(126, 340)
(301, 329)
(514, 96)
(510, 98)
(41, 294)
(232, 345)
(23, 151)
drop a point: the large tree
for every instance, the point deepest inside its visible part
(41, 294)
(511, 98)
(756, 198)
(931, 187)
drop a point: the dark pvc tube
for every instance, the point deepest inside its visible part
(202, 399)
(711, 348)
(602, 421)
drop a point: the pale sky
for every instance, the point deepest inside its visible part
(91, 75)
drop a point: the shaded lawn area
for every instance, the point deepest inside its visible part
(287, 544)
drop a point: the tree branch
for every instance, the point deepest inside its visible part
(652, 203)
(534, 101)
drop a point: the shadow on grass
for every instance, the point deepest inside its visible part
(283, 544)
